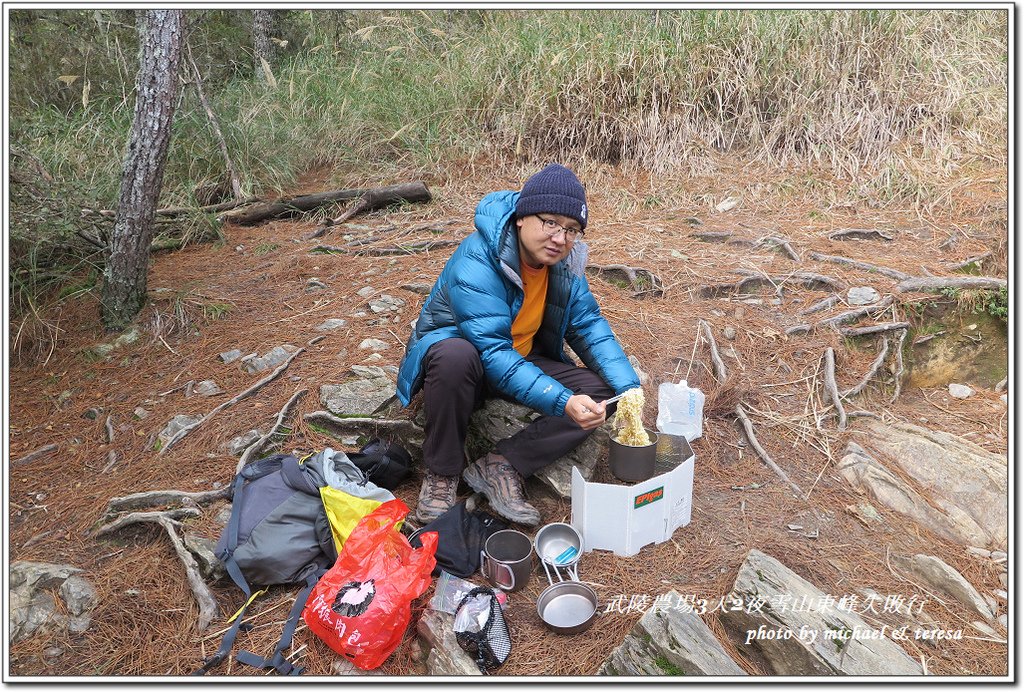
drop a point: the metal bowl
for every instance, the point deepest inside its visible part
(559, 545)
(567, 607)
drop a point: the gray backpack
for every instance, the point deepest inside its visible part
(279, 534)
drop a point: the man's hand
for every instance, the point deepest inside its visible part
(585, 411)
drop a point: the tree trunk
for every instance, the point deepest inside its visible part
(262, 20)
(127, 263)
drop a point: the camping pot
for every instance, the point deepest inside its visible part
(506, 560)
(630, 463)
(559, 545)
(567, 607)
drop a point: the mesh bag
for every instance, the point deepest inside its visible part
(480, 629)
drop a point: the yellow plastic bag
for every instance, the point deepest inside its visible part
(344, 511)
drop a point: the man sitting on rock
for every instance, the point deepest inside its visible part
(494, 325)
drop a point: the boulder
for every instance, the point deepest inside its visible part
(33, 608)
(945, 483)
(819, 639)
(499, 419)
(941, 577)
(670, 642)
(960, 391)
(360, 396)
(862, 295)
(445, 656)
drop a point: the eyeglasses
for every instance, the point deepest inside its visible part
(553, 228)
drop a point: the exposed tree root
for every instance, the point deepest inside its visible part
(754, 281)
(874, 268)
(833, 389)
(153, 498)
(977, 260)
(872, 371)
(108, 426)
(823, 304)
(204, 598)
(782, 244)
(641, 281)
(898, 375)
(936, 283)
(859, 234)
(32, 456)
(173, 515)
(873, 329)
(257, 447)
(396, 429)
(721, 373)
(748, 428)
(842, 318)
(234, 400)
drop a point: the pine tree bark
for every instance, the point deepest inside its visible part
(261, 23)
(127, 261)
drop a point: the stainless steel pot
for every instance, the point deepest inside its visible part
(633, 464)
(567, 607)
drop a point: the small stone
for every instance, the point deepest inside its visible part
(366, 291)
(208, 388)
(375, 344)
(727, 204)
(1001, 594)
(679, 255)
(1002, 621)
(978, 552)
(239, 248)
(361, 313)
(332, 323)
(960, 391)
(314, 284)
(140, 413)
(717, 313)
(132, 592)
(92, 413)
(231, 355)
(984, 629)
(972, 327)
(1003, 579)
(693, 221)
(999, 556)
(239, 444)
(1002, 398)
(422, 289)
(374, 357)
(776, 301)
(754, 301)
(729, 333)
(862, 295)
(53, 652)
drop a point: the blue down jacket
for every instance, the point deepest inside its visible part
(478, 294)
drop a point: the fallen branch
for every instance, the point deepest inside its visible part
(205, 600)
(380, 197)
(179, 211)
(874, 268)
(408, 249)
(859, 234)
(32, 456)
(152, 498)
(234, 400)
(173, 515)
(833, 389)
(898, 375)
(721, 373)
(641, 281)
(748, 428)
(935, 283)
(404, 192)
(258, 445)
(872, 371)
(978, 259)
(873, 329)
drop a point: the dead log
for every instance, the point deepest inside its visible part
(641, 281)
(283, 208)
(859, 234)
(874, 268)
(936, 283)
(404, 249)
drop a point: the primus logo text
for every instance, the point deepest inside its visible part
(649, 497)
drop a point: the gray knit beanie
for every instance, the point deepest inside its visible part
(554, 190)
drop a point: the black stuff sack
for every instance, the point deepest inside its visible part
(461, 535)
(385, 464)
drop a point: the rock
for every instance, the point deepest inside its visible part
(223, 516)
(358, 397)
(999, 556)
(174, 426)
(670, 642)
(1002, 620)
(992, 603)
(375, 344)
(331, 324)
(270, 359)
(128, 338)
(233, 354)
(679, 255)
(843, 643)
(33, 608)
(314, 284)
(644, 377)
(239, 444)
(1003, 579)
(386, 303)
(140, 413)
(1002, 398)
(865, 513)
(727, 204)
(208, 388)
(499, 419)
(445, 656)
(343, 666)
(366, 291)
(754, 301)
(729, 333)
(985, 629)
(941, 577)
(373, 358)
(862, 295)
(960, 391)
(965, 485)
(202, 549)
(979, 552)
(422, 289)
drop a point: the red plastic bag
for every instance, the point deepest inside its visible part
(361, 606)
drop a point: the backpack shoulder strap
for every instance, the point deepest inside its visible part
(277, 661)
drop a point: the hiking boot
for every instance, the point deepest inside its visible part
(437, 496)
(493, 476)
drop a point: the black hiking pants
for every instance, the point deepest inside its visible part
(455, 386)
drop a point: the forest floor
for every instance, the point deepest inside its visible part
(145, 623)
